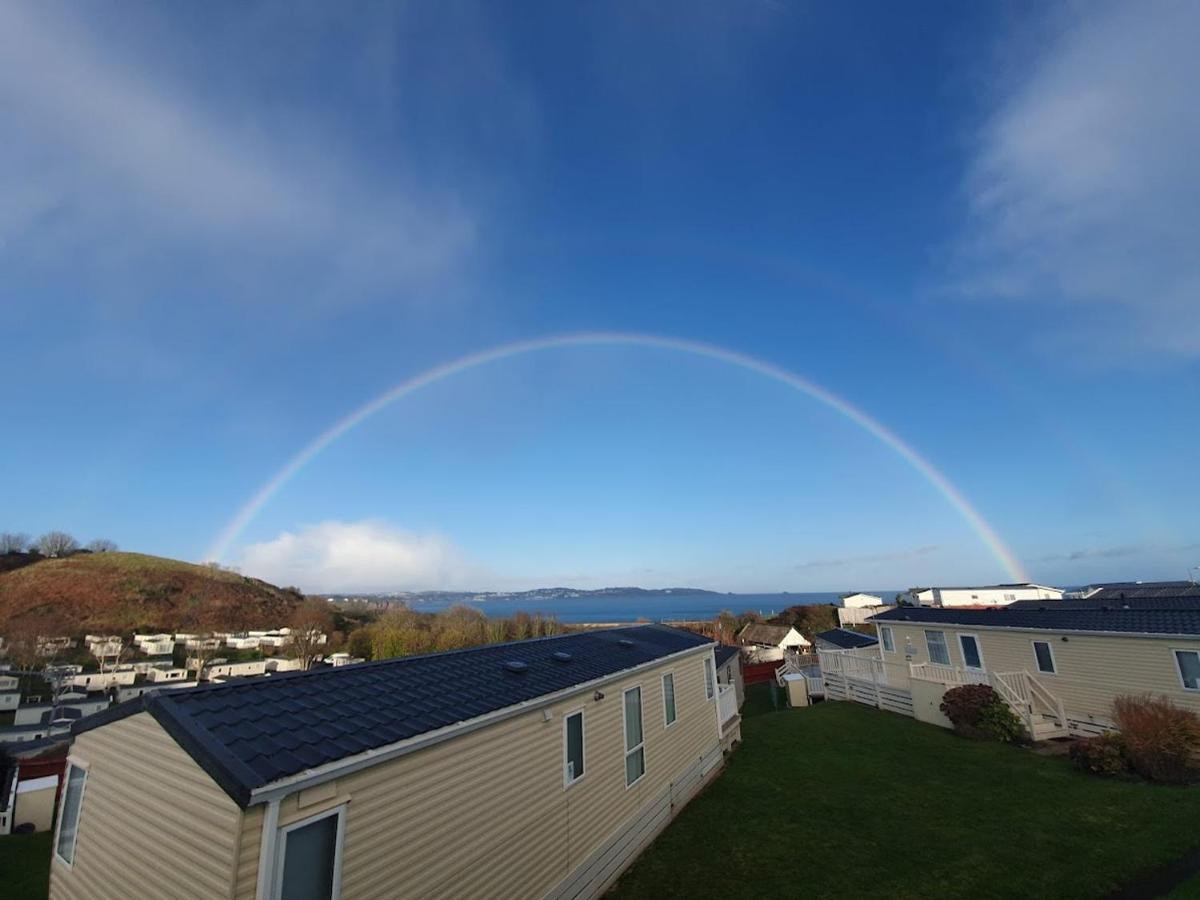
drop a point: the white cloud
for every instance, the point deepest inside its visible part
(359, 556)
(1084, 190)
(106, 151)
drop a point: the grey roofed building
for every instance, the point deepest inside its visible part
(1141, 590)
(725, 652)
(1136, 602)
(844, 639)
(247, 734)
(755, 633)
(1056, 616)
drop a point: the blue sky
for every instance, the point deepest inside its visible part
(225, 227)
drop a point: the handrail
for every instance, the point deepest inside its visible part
(1053, 702)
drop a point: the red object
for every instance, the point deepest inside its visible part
(757, 673)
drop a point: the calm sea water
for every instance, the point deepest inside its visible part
(657, 607)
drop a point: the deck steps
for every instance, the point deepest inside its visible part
(1048, 729)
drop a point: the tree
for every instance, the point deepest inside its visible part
(310, 626)
(203, 649)
(13, 542)
(102, 545)
(56, 543)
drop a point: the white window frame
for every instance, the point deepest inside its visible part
(929, 646)
(1179, 668)
(667, 723)
(569, 782)
(1050, 648)
(629, 751)
(338, 844)
(710, 679)
(887, 638)
(62, 805)
(982, 667)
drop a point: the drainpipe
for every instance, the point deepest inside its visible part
(266, 852)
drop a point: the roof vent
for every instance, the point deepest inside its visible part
(515, 665)
(625, 642)
(562, 656)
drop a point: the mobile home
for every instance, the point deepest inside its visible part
(536, 768)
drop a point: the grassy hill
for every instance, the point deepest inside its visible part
(123, 592)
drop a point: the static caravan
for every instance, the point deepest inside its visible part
(537, 768)
(1068, 661)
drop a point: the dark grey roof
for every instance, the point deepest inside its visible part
(1160, 602)
(1150, 590)
(759, 633)
(247, 734)
(847, 639)
(725, 653)
(1124, 621)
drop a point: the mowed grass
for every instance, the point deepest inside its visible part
(845, 801)
(25, 866)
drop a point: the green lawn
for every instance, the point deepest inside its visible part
(25, 866)
(845, 801)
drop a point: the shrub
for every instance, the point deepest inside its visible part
(1159, 737)
(977, 711)
(999, 723)
(1101, 755)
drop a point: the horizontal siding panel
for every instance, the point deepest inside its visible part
(152, 823)
(248, 850)
(1092, 669)
(486, 814)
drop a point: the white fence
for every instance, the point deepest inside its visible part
(863, 677)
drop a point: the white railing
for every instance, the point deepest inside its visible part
(727, 708)
(1026, 695)
(865, 665)
(816, 685)
(945, 674)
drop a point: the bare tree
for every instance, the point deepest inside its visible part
(201, 653)
(102, 545)
(310, 626)
(13, 542)
(56, 543)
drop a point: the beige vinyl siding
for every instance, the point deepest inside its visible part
(250, 845)
(1091, 669)
(486, 814)
(152, 823)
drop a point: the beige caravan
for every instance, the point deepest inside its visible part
(532, 769)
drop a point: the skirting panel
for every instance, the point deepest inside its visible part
(596, 873)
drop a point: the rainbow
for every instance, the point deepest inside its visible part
(222, 543)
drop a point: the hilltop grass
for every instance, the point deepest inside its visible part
(133, 591)
(845, 801)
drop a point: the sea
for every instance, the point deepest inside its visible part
(676, 606)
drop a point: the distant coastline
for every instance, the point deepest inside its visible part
(534, 595)
(605, 605)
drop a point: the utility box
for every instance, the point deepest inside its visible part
(797, 689)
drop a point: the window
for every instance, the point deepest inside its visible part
(572, 748)
(1010, 598)
(669, 699)
(635, 749)
(1044, 656)
(939, 653)
(972, 655)
(885, 635)
(68, 820)
(708, 679)
(310, 858)
(1188, 662)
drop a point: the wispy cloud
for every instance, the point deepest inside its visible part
(359, 556)
(108, 153)
(867, 559)
(1084, 192)
(1118, 552)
